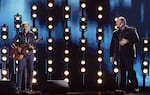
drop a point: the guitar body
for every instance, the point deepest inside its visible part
(14, 53)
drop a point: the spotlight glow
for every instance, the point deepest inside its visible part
(66, 59)
(4, 58)
(100, 16)
(34, 15)
(83, 62)
(67, 37)
(116, 70)
(50, 18)
(83, 27)
(99, 73)
(67, 80)
(83, 70)
(145, 41)
(100, 51)
(50, 4)
(67, 8)
(67, 16)
(100, 8)
(50, 48)
(4, 72)
(66, 72)
(83, 19)
(145, 49)
(50, 62)
(100, 38)
(100, 59)
(18, 17)
(66, 51)
(4, 29)
(35, 59)
(67, 30)
(99, 81)
(34, 80)
(50, 26)
(34, 51)
(145, 70)
(4, 78)
(34, 29)
(18, 25)
(34, 7)
(145, 63)
(4, 37)
(83, 40)
(83, 5)
(99, 29)
(50, 40)
(4, 50)
(34, 73)
(83, 48)
(50, 69)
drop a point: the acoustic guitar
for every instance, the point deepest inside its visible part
(16, 55)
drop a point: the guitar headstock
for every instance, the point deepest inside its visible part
(39, 40)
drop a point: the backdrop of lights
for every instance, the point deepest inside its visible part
(77, 36)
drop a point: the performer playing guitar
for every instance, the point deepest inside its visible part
(22, 40)
(18, 52)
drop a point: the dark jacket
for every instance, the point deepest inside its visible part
(21, 39)
(128, 50)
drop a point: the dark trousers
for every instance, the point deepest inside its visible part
(28, 63)
(127, 65)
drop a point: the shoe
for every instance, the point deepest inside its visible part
(29, 91)
(119, 91)
(136, 90)
(18, 90)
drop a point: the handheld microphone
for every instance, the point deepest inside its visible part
(120, 25)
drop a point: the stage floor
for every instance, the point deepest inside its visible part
(83, 93)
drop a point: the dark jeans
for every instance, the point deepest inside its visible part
(127, 65)
(28, 63)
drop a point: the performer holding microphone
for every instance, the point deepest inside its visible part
(123, 51)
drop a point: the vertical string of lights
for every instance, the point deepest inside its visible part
(66, 59)
(99, 36)
(50, 26)
(145, 58)
(34, 29)
(4, 54)
(17, 27)
(116, 65)
(17, 22)
(83, 40)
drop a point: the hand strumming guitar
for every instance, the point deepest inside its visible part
(31, 46)
(19, 49)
